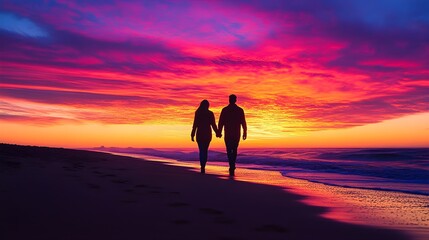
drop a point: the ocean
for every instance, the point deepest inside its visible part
(390, 169)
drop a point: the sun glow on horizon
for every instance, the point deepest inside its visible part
(391, 133)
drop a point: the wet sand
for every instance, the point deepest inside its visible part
(387, 209)
(69, 194)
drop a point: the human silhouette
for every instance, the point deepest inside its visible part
(232, 118)
(204, 120)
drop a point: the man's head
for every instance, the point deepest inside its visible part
(232, 99)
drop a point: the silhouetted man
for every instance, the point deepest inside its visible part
(232, 117)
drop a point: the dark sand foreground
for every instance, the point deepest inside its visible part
(49, 193)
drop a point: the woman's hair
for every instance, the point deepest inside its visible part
(204, 106)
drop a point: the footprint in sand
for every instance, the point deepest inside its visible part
(181, 222)
(119, 181)
(150, 189)
(11, 164)
(119, 169)
(271, 228)
(93, 186)
(69, 169)
(78, 166)
(223, 220)
(211, 211)
(178, 204)
(108, 175)
(154, 191)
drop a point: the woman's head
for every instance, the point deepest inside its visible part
(204, 105)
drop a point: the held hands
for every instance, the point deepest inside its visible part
(219, 135)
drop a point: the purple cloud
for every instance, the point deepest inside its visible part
(343, 63)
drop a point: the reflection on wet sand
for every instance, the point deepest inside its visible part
(396, 210)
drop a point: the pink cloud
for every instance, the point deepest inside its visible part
(306, 60)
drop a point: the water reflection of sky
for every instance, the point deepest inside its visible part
(408, 212)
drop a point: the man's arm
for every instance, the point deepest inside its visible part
(244, 124)
(221, 124)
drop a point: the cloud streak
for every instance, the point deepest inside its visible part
(22, 26)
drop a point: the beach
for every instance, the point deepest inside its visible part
(381, 187)
(52, 193)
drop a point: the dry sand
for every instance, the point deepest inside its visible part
(49, 193)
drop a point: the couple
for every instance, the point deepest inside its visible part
(232, 118)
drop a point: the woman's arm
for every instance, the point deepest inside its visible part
(194, 127)
(214, 126)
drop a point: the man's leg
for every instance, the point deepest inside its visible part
(231, 150)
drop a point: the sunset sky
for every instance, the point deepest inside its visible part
(308, 73)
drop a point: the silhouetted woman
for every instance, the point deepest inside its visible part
(204, 121)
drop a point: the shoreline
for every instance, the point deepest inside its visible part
(295, 164)
(72, 194)
(394, 209)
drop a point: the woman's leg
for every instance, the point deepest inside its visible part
(203, 146)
